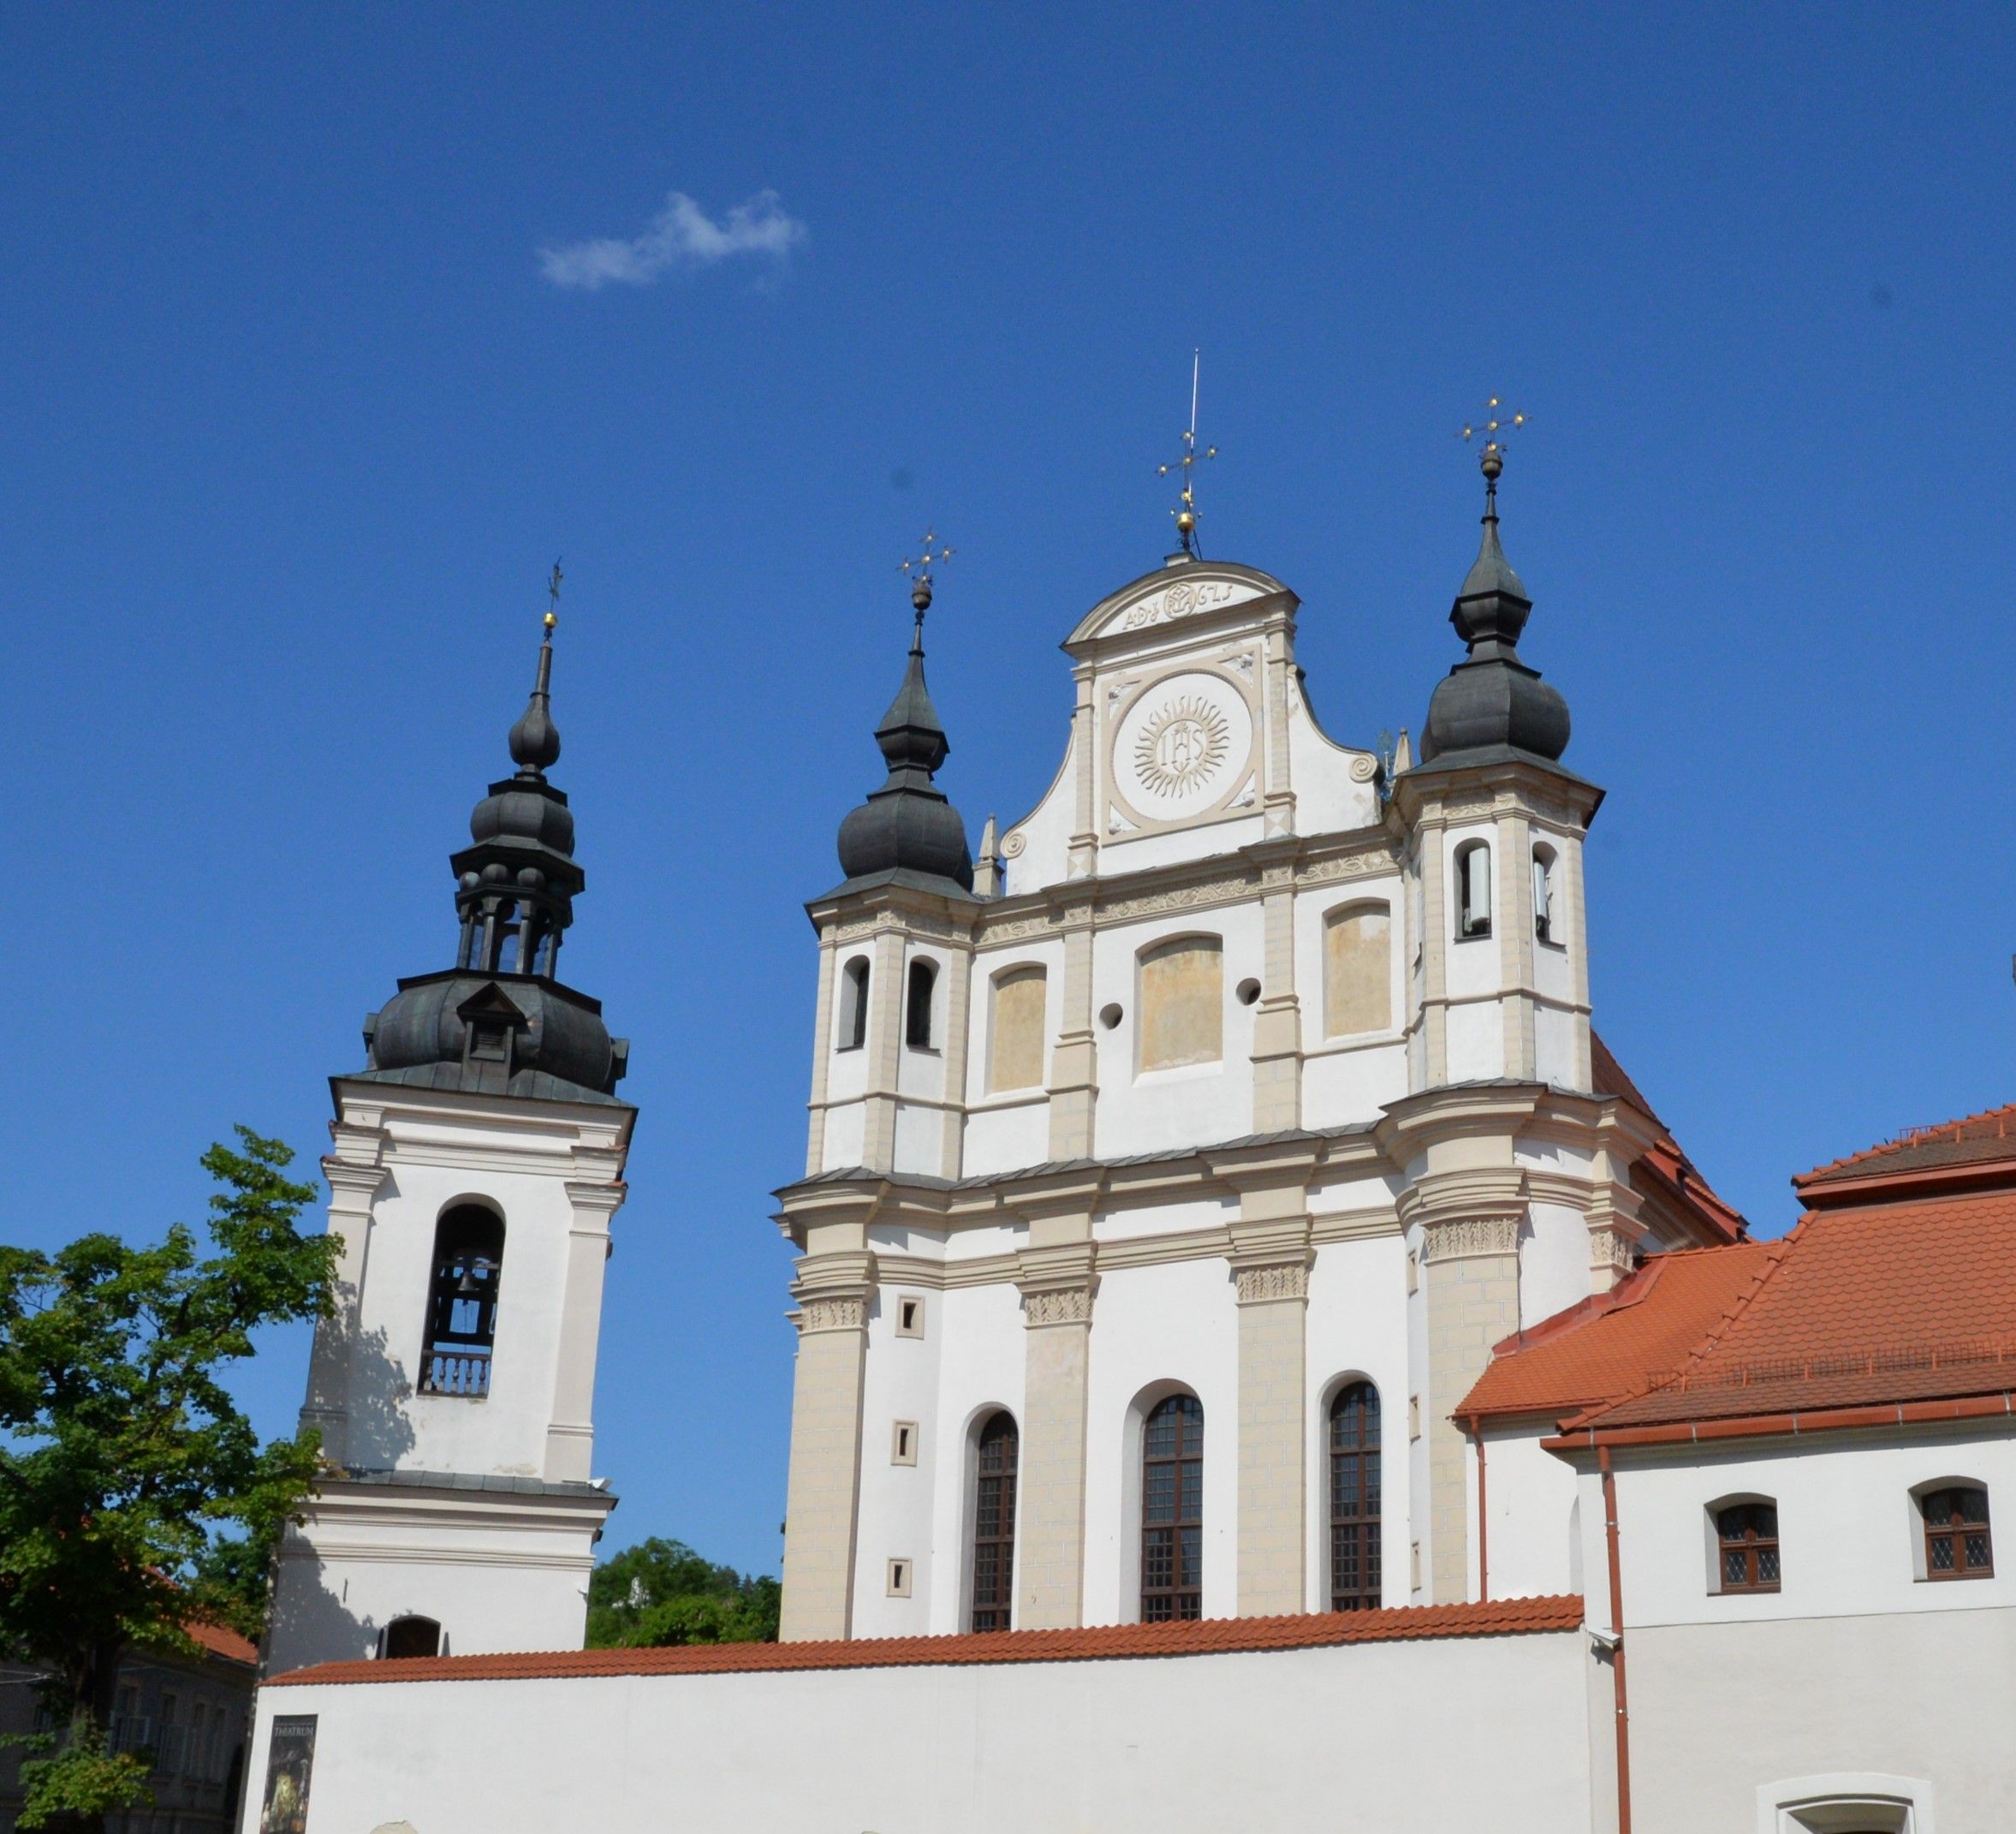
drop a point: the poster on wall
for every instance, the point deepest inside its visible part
(290, 1759)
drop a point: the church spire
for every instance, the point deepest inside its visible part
(535, 739)
(1491, 702)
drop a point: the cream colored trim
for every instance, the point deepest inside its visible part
(1354, 1225)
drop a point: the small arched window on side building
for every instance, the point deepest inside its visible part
(850, 1028)
(462, 1302)
(410, 1636)
(1746, 1546)
(1473, 889)
(917, 1008)
(1957, 1542)
(1545, 929)
(993, 1521)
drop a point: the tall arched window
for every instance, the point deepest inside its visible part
(1545, 930)
(1355, 1583)
(1172, 1510)
(462, 1301)
(1182, 1003)
(1473, 889)
(994, 1522)
(850, 1027)
(410, 1636)
(1357, 970)
(916, 1005)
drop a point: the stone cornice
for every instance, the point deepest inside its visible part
(1426, 797)
(479, 1133)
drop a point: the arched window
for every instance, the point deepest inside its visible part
(1357, 970)
(1473, 889)
(850, 1028)
(917, 1008)
(462, 1301)
(1182, 1003)
(1957, 1544)
(1746, 1546)
(1355, 1583)
(1543, 924)
(994, 1522)
(1015, 1030)
(1172, 1510)
(410, 1636)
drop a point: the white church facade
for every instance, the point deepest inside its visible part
(1260, 1359)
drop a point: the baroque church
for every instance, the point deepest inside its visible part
(1254, 1343)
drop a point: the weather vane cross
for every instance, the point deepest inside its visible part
(553, 597)
(1496, 421)
(932, 552)
(1185, 509)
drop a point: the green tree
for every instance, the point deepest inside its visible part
(122, 1456)
(661, 1592)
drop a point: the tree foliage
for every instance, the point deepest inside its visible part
(122, 1456)
(661, 1592)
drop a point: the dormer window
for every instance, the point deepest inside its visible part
(1473, 890)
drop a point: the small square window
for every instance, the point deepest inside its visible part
(909, 1315)
(899, 1578)
(902, 1447)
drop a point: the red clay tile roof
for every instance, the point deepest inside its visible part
(1099, 1643)
(220, 1641)
(1613, 1344)
(1667, 1164)
(1871, 1304)
(1972, 1146)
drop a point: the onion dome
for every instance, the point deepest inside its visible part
(907, 826)
(482, 1026)
(1492, 702)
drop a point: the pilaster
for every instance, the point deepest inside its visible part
(1512, 837)
(1058, 1286)
(570, 1431)
(823, 1497)
(885, 1045)
(815, 1145)
(1074, 1056)
(1277, 1024)
(355, 1170)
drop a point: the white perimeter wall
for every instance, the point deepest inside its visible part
(1356, 1737)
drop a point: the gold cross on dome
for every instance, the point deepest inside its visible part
(1185, 509)
(1497, 421)
(918, 568)
(553, 597)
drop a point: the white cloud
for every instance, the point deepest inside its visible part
(681, 238)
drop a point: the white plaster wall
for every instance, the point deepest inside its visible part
(1553, 1047)
(1007, 1133)
(1553, 1262)
(1356, 1327)
(1553, 972)
(1848, 1530)
(1327, 801)
(981, 1362)
(899, 1382)
(1205, 839)
(1144, 1111)
(1176, 1323)
(1045, 830)
(1529, 1502)
(391, 1425)
(1163, 1219)
(1187, 1745)
(490, 1585)
(1727, 1720)
(921, 1137)
(846, 1135)
(1475, 1037)
(1343, 1083)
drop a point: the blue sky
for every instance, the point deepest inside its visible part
(294, 417)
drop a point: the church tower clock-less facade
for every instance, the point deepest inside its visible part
(477, 1162)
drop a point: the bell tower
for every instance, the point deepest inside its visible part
(477, 1162)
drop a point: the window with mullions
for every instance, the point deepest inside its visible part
(1957, 1544)
(1746, 1545)
(1172, 1511)
(993, 1523)
(1354, 1499)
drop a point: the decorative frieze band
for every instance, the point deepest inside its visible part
(1070, 1305)
(1281, 1280)
(1612, 1250)
(831, 1314)
(1470, 1236)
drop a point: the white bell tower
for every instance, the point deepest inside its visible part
(476, 1162)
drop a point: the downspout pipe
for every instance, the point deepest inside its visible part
(1603, 1464)
(1484, 1531)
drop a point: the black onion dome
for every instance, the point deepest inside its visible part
(1492, 700)
(908, 825)
(498, 1034)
